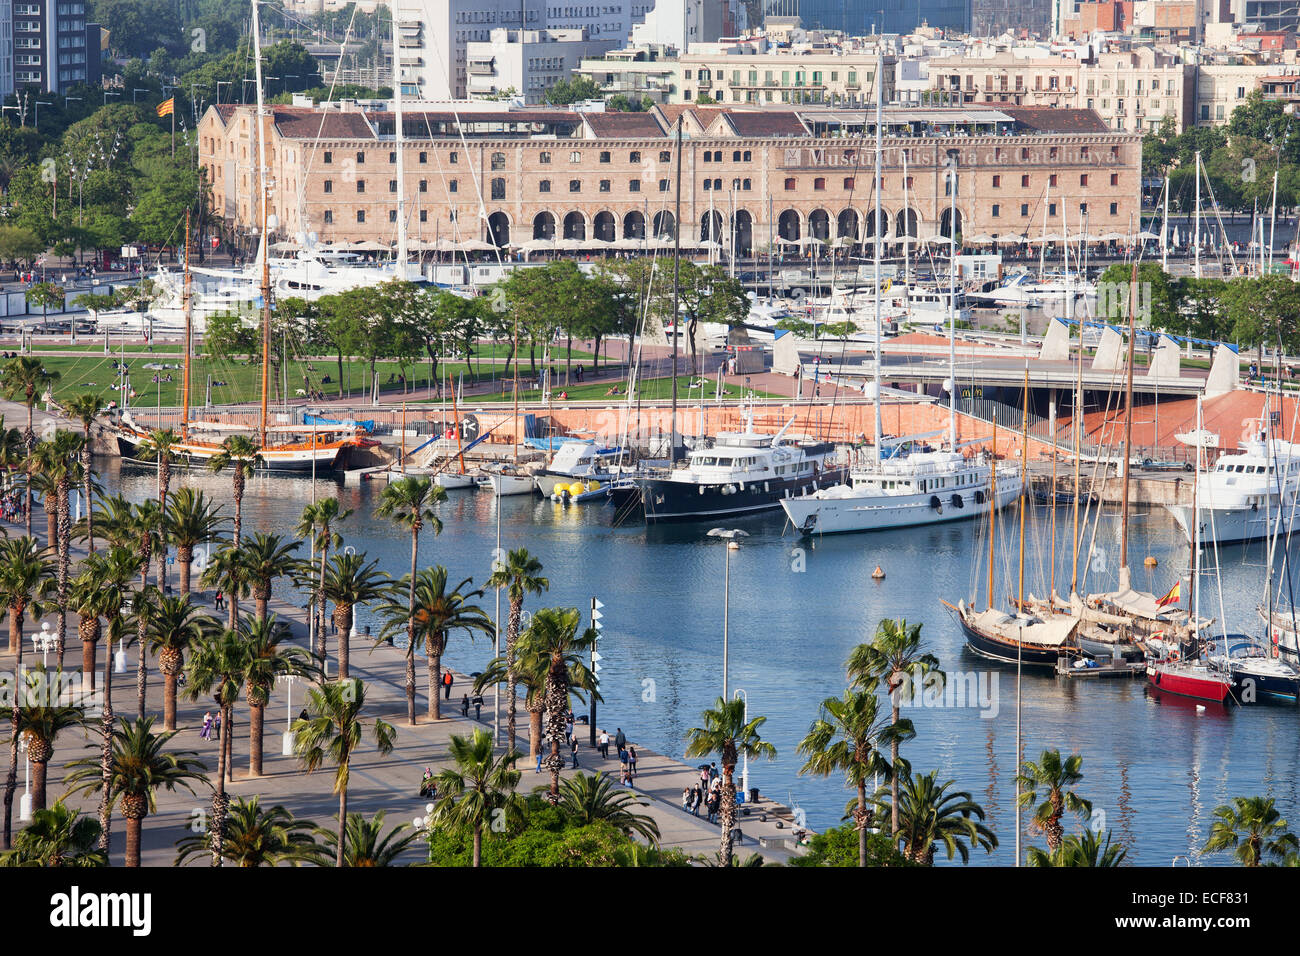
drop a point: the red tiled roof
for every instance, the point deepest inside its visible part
(761, 123)
(618, 125)
(301, 122)
(1050, 119)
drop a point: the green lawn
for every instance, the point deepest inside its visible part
(651, 389)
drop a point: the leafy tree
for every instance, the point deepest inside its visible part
(932, 817)
(1056, 777)
(575, 90)
(257, 836)
(1084, 849)
(478, 789)
(58, 837)
(1253, 830)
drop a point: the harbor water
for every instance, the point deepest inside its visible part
(1155, 767)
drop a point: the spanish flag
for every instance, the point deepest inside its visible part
(166, 106)
(1172, 597)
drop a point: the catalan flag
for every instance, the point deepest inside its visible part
(1172, 597)
(166, 107)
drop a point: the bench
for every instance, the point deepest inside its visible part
(773, 842)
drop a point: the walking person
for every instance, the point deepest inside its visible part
(623, 775)
(631, 763)
(478, 706)
(220, 601)
(620, 740)
(697, 797)
(206, 732)
(686, 799)
(464, 705)
(604, 744)
(573, 747)
(447, 681)
(216, 725)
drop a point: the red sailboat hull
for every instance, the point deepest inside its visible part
(1198, 684)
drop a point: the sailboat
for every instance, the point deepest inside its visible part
(300, 448)
(920, 488)
(1030, 638)
(1183, 671)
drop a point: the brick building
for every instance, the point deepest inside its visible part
(749, 176)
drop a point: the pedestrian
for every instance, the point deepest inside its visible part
(631, 763)
(604, 744)
(713, 774)
(573, 747)
(686, 799)
(568, 728)
(704, 777)
(206, 732)
(464, 705)
(220, 601)
(622, 765)
(427, 787)
(216, 725)
(696, 798)
(447, 681)
(620, 740)
(539, 760)
(478, 706)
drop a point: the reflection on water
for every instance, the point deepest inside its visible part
(796, 611)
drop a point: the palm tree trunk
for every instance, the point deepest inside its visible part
(184, 556)
(536, 712)
(893, 776)
(29, 439)
(410, 639)
(169, 701)
(90, 512)
(89, 651)
(319, 650)
(256, 719)
(434, 662)
(228, 730)
(134, 828)
(106, 744)
(512, 678)
(15, 630)
(38, 784)
(345, 643)
(862, 823)
(728, 815)
(478, 846)
(142, 673)
(217, 833)
(64, 510)
(11, 779)
(343, 823)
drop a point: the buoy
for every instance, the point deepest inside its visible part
(1150, 561)
(878, 574)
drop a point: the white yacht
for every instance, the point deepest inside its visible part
(578, 459)
(1244, 493)
(921, 488)
(737, 473)
(1026, 290)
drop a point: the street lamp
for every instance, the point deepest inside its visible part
(744, 764)
(108, 93)
(25, 803)
(67, 99)
(288, 736)
(220, 84)
(137, 90)
(45, 642)
(39, 103)
(731, 535)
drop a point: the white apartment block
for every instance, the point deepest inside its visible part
(529, 65)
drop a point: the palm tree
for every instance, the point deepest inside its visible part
(23, 379)
(846, 738)
(437, 613)
(553, 635)
(227, 571)
(40, 721)
(1085, 849)
(893, 656)
(479, 789)
(257, 837)
(57, 837)
(332, 731)
(267, 657)
(520, 575)
(121, 565)
(932, 817)
(726, 733)
(89, 597)
(140, 765)
(1056, 776)
(366, 844)
(267, 557)
(172, 626)
(192, 518)
(349, 581)
(59, 463)
(85, 408)
(409, 503)
(586, 798)
(217, 667)
(45, 485)
(238, 453)
(162, 446)
(532, 670)
(317, 523)
(25, 569)
(1253, 829)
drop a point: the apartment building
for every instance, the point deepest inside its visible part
(750, 176)
(47, 45)
(752, 71)
(529, 65)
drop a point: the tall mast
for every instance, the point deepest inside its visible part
(880, 116)
(993, 505)
(677, 258)
(1194, 595)
(515, 427)
(1024, 491)
(185, 375)
(1164, 230)
(262, 191)
(397, 125)
(907, 244)
(1077, 421)
(1128, 434)
(1196, 234)
(952, 307)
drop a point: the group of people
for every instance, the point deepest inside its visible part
(13, 506)
(626, 755)
(707, 794)
(211, 725)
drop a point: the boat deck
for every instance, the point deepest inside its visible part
(1118, 668)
